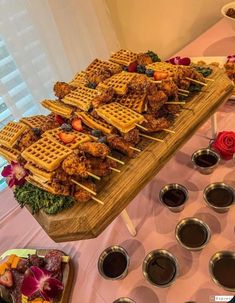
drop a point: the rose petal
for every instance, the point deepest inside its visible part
(29, 286)
(7, 171)
(51, 288)
(39, 273)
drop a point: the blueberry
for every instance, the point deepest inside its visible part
(96, 133)
(125, 68)
(141, 69)
(37, 131)
(66, 127)
(149, 72)
(102, 139)
(92, 85)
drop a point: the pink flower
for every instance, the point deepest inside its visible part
(231, 59)
(40, 281)
(179, 61)
(15, 174)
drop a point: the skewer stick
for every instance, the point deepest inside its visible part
(93, 176)
(181, 94)
(84, 187)
(136, 149)
(114, 169)
(156, 81)
(152, 138)
(97, 200)
(140, 126)
(117, 160)
(209, 79)
(175, 102)
(183, 90)
(169, 130)
(196, 81)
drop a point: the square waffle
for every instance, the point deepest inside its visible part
(79, 79)
(119, 82)
(95, 123)
(134, 100)
(80, 137)
(121, 117)
(36, 121)
(81, 97)
(124, 57)
(10, 154)
(11, 132)
(36, 181)
(39, 172)
(46, 153)
(58, 107)
(97, 65)
(164, 66)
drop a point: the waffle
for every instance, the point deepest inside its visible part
(80, 137)
(134, 100)
(46, 153)
(79, 79)
(119, 82)
(36, 181)
(121, 117)
(97, 65)
(95, 123)
(58, 108)
(164, 66)
(10, 154)
(124, 57)
(81, 97)
(11, 132)
(39, 172)
(35, 121)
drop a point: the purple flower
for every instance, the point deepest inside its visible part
(231, 59)
(15, 174)
(40, 281)
(179, 61)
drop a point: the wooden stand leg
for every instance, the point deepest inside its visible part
(129, 224)
(214, 126)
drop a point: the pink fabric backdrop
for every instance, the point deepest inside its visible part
(154, 223)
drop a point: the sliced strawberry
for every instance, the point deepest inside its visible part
(66, 137)
(132, 67)
(160, 75)
(59, 119)
(6, 279)
(77, 124)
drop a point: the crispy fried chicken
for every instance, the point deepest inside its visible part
(82, 195)
(105, 97)
(118, 143)
(100, 167)
(61, 89)
(98, 75)
(76, 164)
(140, 83)
(156, 100)
(144, 59)
(95, 149)
(154, 125)
(26, 139)
(169, 87)
(132, 137)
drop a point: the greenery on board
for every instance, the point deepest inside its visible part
(37, 199)
(205, 71)
(153, 56)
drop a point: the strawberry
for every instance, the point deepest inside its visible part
(160, 75)
(66, 137)
(132, 67)
(59, 119)
(77, 124)
(6, 279)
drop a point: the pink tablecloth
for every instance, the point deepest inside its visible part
(155, 226)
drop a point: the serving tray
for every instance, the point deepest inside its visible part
(88, 220)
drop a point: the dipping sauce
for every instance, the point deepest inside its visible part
(161, 270)
(174, 197)
(193, 234)
(206, 160)
(224, 271)
(220, 197)
(231, 12)
(114, 264)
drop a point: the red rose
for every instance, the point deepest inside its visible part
(224, 144)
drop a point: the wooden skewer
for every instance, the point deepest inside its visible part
(117, 160)
(181, 94)
(169, 130)
(136, 149)
(152, 138)
(196, 81)
(116, 170)
(209, 79)
(140, 126)
(183, 90)
(175, 102)
(93, 176)
(84, 187)
(97, 200)
(156, 81)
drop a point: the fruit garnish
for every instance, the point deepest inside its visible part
(160, 75)
(66, 137)
(77, 124)
(96, 133)
(60, 120)
(92, 85)
(153, 56)
(66, 127)
(149, 72)
(40, 281)
(6, 279)
(132, 67)
(15, 174)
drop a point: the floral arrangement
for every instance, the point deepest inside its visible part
(15, 174)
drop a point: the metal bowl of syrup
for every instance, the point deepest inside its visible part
(205, 160)
(160, 268)
(124, 300)
(192, 233)
(219, 196)
(222, 269)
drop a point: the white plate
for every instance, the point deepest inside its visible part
(221, 60)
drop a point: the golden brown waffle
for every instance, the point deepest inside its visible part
(95, 123)
(124, 57)
(11, 132)
(81, 97)
(80, 137)
(97, 65)
(10, 154)
(134, 100)
(46, 153)
(164, 66)
(36, 121)
(121, 117)
(119, 82)
(39, 172)
(58, 108)
(79, 79)
(36, 181)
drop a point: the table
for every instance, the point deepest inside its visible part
(154, 223)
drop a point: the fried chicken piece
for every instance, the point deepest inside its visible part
(61, 176)
(26, 139)
(98, 75)
(173, 108)
(144, 59)
(132, 137)
(61, 89)
(154, 125)
(118, 143)
(156, 100)
(82, 195)
(95, 149)
(140, 83)
(61, 188)
(105, 97)
(100, 167)
(76, 164)
(169, 88)
(51, 123)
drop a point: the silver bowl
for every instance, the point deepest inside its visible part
(205, 151)
(150, 256)
(124, 300)
(218, 256)
(105, 253)
(185, 221)
(167, 187)
(219, 209)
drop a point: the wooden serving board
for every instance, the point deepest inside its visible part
(88, 220)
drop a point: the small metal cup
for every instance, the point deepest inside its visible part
(218, 209)
(167, 187)
(205, 151)
(185, 221)
(216, 257)
(105, 253)
(124, 300)
(150, 256)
